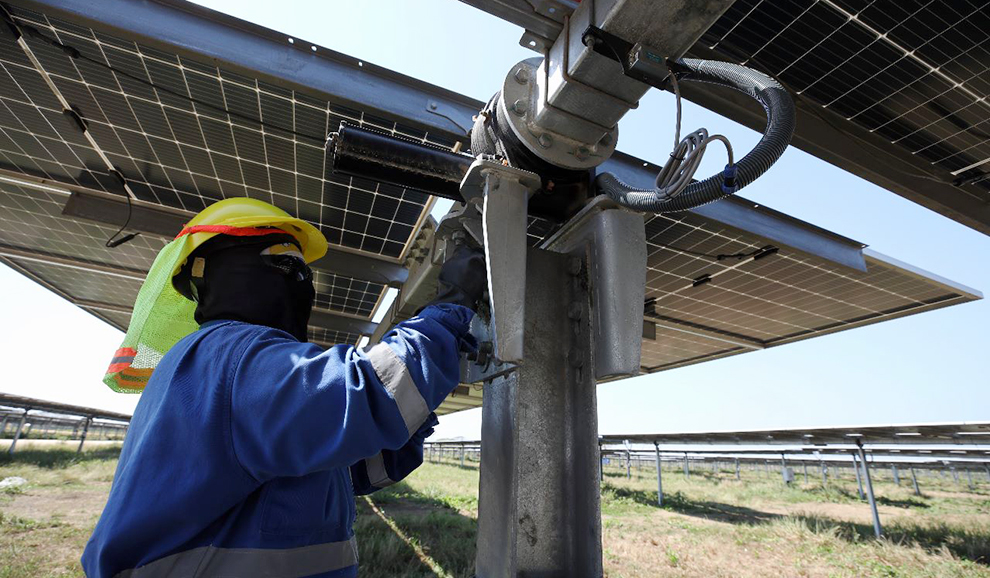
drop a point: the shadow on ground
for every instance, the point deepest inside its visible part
(57, 458)
(962, 542)
(409, 534)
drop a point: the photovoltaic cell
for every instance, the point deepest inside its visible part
(915, 72)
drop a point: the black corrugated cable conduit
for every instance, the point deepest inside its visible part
(780, 126)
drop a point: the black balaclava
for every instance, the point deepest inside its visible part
(239, 285)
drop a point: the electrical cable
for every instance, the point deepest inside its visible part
(714, 257)
(685, 158)
(74, 53)
(111, 242)
(779, 109)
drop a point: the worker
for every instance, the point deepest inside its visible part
(249, 444)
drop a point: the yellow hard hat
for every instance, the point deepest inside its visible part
(243, 216)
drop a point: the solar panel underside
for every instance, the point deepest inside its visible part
(183, 134)
(914, 72)
(711, 299)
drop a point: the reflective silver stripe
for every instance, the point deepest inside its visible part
(399, 384)
(210, 562)
(377, 474)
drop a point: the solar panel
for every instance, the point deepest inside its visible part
(911, 72)
(893, 91)
(185, 134)
(185, 129)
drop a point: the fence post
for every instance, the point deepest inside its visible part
(656, 448)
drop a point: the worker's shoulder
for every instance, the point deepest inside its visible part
(233, 332)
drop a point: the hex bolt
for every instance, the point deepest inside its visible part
(433, 105)
(574, 311)
(520, 107)
(582, 152)
(575, 357)
(521, 75)
(546, 141)
(574, 265)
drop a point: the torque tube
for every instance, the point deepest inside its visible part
(368, 154)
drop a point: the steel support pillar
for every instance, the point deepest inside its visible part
(821, 466)
(869, 492)
(737, 468)
(687, 469)
(969, 477)
(656, 448)
(987, 470)
(82, 438)
(462, 456)
(628, 466)
(859, 480)
(805, 465)
(914, 479)
(539, 511)
(17, 433)
(3, 425)
(955, 474)
(783, 468)
(896, 474)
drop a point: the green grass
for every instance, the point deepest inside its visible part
(709, 525)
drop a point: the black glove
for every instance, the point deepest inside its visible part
(463, 278)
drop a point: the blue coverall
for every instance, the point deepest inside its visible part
(247, 448)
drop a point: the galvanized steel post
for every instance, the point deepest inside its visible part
(539, 502)
(859, 480)
(896, 474)
(656, 448)
(914, 478)
(85, 430)
(17, 433)
(869, 491)
(687, 470)
(737, 468)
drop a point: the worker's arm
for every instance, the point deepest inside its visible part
(388, 467)
(296, 409)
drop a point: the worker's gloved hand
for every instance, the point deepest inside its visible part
(463, 278)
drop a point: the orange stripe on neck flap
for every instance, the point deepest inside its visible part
(230, 230)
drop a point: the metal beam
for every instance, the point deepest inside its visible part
(33, 256)
(539, 501)
(166, 222)
(335, 321)
(869, 492)
(703, 331)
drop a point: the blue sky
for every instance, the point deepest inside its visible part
(925, 368)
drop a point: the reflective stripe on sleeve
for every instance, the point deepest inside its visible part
(377, 474)
(399, 384)
(270, 563)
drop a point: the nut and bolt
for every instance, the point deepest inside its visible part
(574, 311)
(521, 75)
(433, 105)
(520, 107)
(582, 152)
(546, 141)
(574, 265)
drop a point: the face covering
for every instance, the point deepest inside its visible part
(263, 281)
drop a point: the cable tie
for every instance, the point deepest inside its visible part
(118, 176)
(122, 240)
(765, 252)
(706, 278)
(76, 117)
